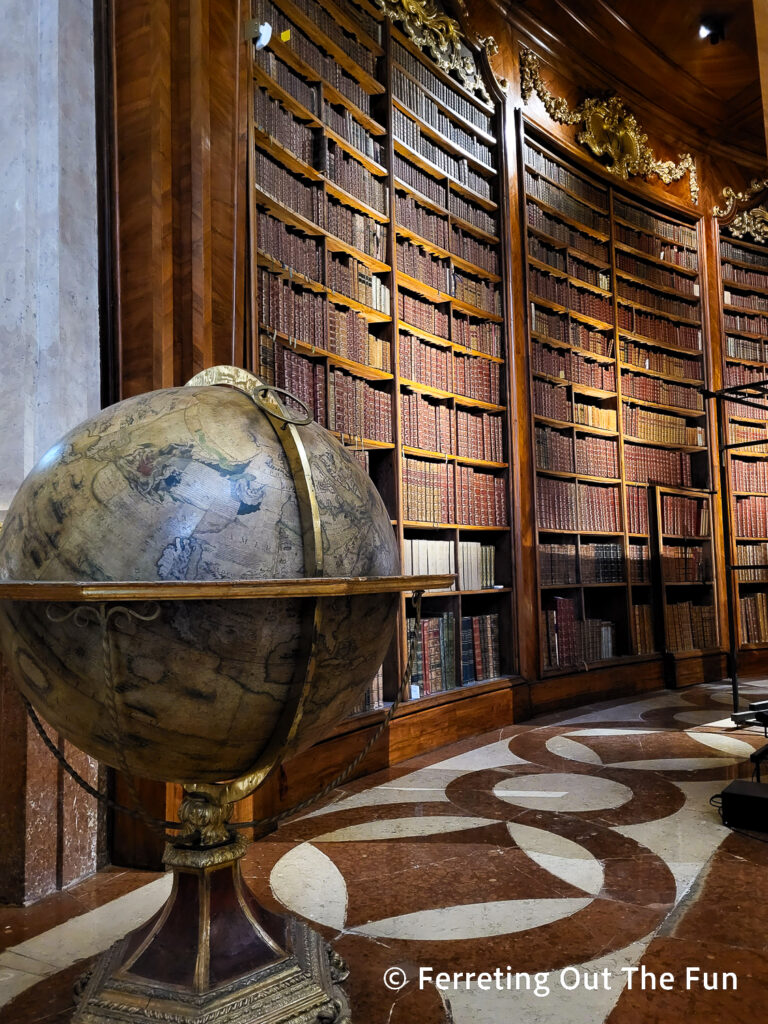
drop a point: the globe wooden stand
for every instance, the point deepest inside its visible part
(212, 953)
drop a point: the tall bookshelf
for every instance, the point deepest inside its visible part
(617, 373)
(378, 276)
(744, 283)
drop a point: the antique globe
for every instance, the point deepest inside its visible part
(201, 483)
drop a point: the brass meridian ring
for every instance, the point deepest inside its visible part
(261, 393)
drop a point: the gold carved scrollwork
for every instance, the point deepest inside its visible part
(749, 220)
(432, 30)
(607, 129)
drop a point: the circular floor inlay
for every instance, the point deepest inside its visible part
(562, 791)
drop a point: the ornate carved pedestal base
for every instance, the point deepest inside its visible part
(213, 954)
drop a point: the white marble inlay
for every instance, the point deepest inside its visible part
(724, 744)
(562, 746)
(397, 828)
(492, 755)
(631, 711)
(23, 965)
(676, 764)
(307, 882)
(562, 791)
(473, 920)
(560, 856)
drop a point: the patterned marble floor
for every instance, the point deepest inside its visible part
(568, 864)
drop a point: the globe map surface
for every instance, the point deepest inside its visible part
(193, 484)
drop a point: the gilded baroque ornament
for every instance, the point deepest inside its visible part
(750, 221)
(734, 198)
(432, 30)
(607, 130)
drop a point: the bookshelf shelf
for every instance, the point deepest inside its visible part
(372, 216)
(565, 219)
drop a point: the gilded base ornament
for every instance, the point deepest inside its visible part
(608, 130)
(212, 954)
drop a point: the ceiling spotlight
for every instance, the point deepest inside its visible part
(712, 29)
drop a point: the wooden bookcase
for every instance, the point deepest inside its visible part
(380, 298)
(744, 284)
(617, 368)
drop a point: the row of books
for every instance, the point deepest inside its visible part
(349, 336)
(565, 505)
(589, 415)
(581, 242)
(637, 509)
(663, 427)
(325, 66)
(565, 293)
(473, 250)
(685, 563)
(434, 666)
(296, 251)
(357, 408)
(749, 474)
(691, 627)
(373, 698)
(643, 622)
(753, 614)
(670, 230)
(477, 334)
(476, 292)
(658, 300)
(303, 378)
(739, 411)
(569, 264)
(429, 557)
(735, 373)
(568, 640)
(751, 516)
(752, 555)
(561, 175)
(309, 201)
(470, 212)
(477, 378)
(431, 188)
(733, 251)
(602, 563)
(645, 358)
(652, 389)
(657, 465)
(349, 174)
(411, 95)
(442, 92)
(307, 94)
(431, 365)
(480, 656)
(684, 517)
(429, 269)
(479, 435)
(409, 132)
(295, 312)
(426, 423)
(557, 564)
(586, 455)
(352, 278)
(423, 314)
(571, 366)
(421, 220)
(654, 274)
(659, 329)
(481, 498)
(349, 43)
(558, 327)
(746, 301)
(476, 563)
(566, 204)
(739, 433)
(742, 322)
(271, 117)
(340, 120)
(356, 229)
(639, 563)
(429, 491)
(742, 348)
(655, 247)
(552, 401)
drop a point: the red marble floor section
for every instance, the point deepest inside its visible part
(465, 842)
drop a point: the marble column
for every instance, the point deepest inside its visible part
(49, 374)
